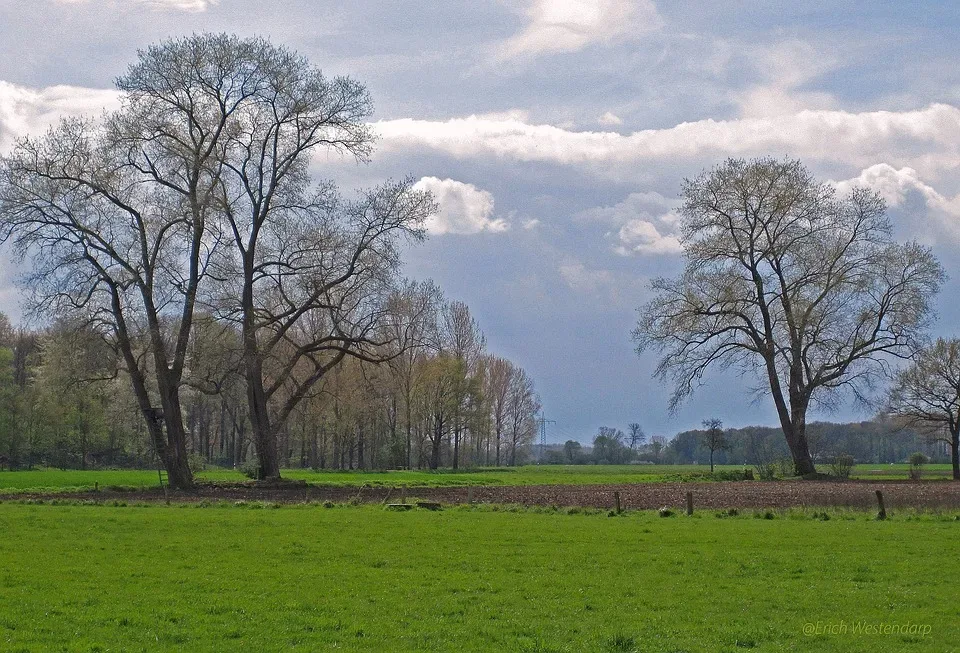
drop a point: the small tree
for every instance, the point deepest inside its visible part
(714, 438)
(657, 444)
(573, 450)
(842, 465)
(927, 395)
(917, 461)
(636, 435)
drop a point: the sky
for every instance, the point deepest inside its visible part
(556, 136)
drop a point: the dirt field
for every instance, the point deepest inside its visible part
(644, 496)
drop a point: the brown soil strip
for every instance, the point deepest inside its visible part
(644, 496)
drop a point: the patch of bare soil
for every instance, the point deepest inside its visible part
(643, 496)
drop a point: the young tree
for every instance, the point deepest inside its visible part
(523, 404)
(787, 279)
(926, 394)
(636, 435)
(714, 438)
(573, 450)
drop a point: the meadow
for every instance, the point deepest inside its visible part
(77, 480)
(359, 578)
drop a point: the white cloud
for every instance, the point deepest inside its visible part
(583, 279)
(643, 237)
(571, 25)
(464, 208)
(643, 223)
(609, 119)
(785, 68)
(895, 185)
(925, 139)
(180, 5)
(26, 111)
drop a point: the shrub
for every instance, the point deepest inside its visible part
(841, 465)
(917, 461)
(766, 471)
(196, 462)
(665, 512)
(784, 467)
(250, 468)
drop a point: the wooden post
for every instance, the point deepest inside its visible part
(166, 494)
(616, 502)
(689, 503)
(883, 511)
(96, 486)
(470, 494)
(403, 495)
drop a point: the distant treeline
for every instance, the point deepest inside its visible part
(65, 402)
(879, 440)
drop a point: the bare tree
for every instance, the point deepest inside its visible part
(463, 339)
(786, 279)
(308, 274)
(714, 438)
(497, 390)
(116, 215)
(926, 394)
(411, 326)
(522, 408)
(636, 435)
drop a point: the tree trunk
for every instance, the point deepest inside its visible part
(955, 454)
(178, 469)
(264, 438)
(456, 447)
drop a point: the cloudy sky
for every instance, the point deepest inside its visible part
(556, 133)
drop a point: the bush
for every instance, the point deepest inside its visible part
(766, 471)
(917, 461)
(196, 462)
(784, 467)
(841, 465)
(250, 468)
(665, 512)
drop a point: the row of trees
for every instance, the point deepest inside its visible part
(186, 233)
(885, 439)
(65, 401)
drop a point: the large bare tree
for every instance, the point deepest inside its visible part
(926, 394)
(308, 275)
(115, 215)
(786, 278)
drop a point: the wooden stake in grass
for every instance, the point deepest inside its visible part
(616, 502)
(883, 511)
(403, 495)
(689, 503)
(470, 494)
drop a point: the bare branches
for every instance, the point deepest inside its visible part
(787, 279)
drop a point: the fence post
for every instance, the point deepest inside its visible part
(883, 511)
(689, 503)
(616, 502)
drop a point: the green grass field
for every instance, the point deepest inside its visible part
(95, 578)
(70, 480)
